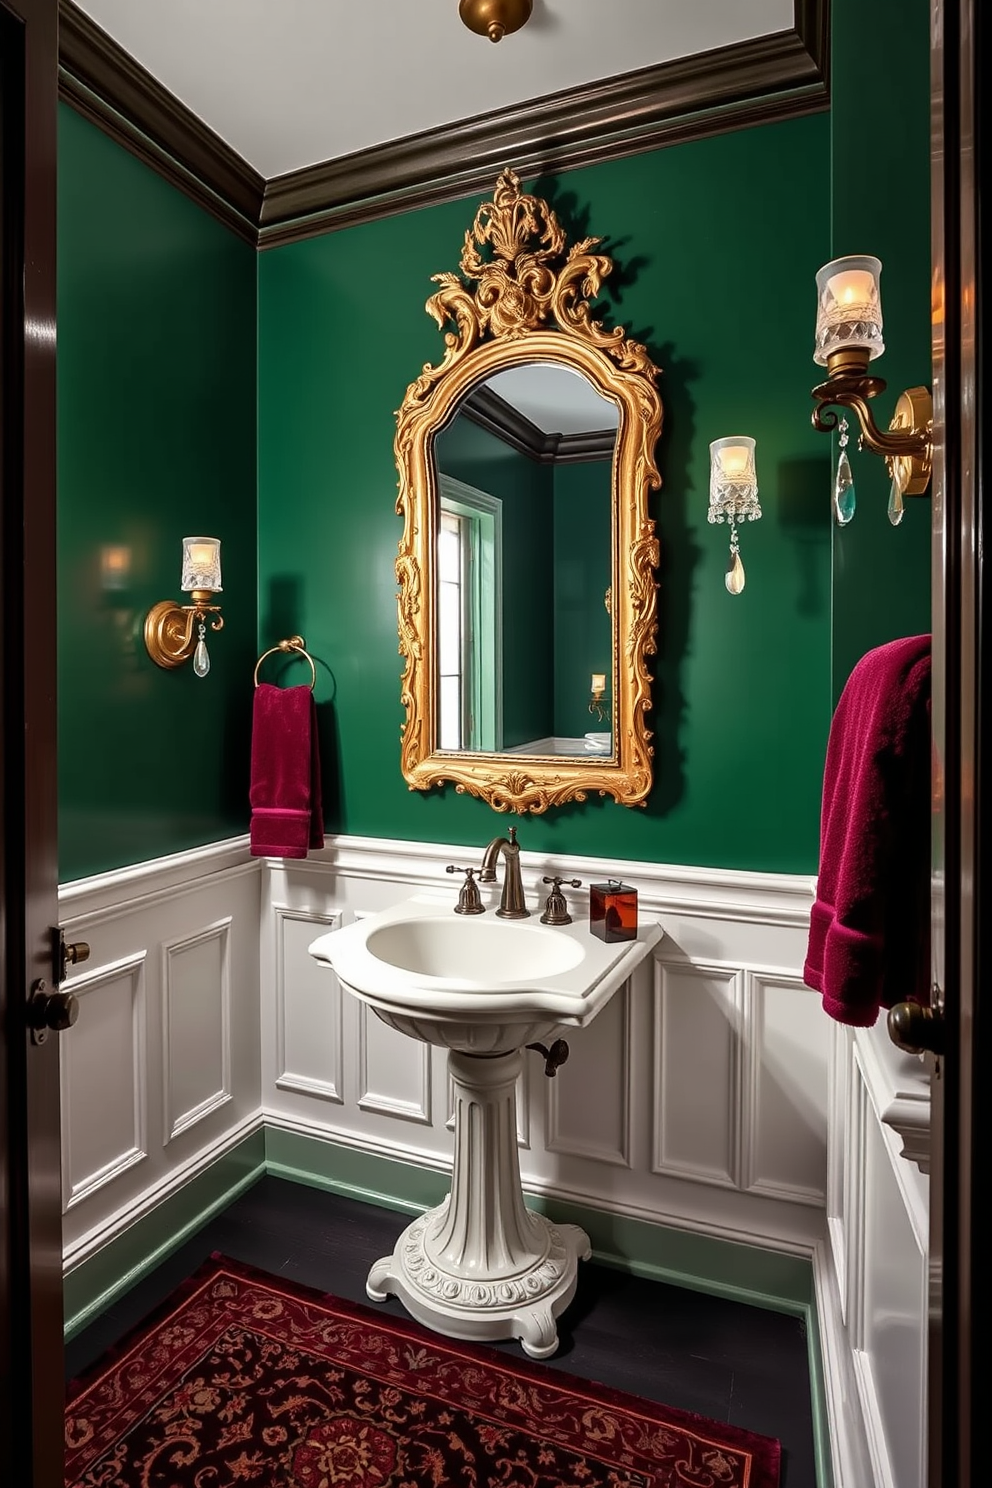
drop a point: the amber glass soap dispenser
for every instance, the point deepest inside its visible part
(613, 910)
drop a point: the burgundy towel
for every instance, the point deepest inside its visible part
(286, 816)
(869, 933)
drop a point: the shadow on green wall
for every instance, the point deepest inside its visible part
(678, 558)
(803, 494)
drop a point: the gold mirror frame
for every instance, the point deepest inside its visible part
(530, 302)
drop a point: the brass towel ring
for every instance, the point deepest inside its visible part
(294, 643)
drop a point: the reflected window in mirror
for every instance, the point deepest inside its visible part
(469, 610)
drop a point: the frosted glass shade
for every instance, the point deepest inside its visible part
(733, 480)
(201, 564)
(848, 307)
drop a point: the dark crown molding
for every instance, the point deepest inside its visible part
(756, 82)
(493, 413)
(106, 85)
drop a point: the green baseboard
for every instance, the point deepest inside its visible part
(96, 1283)
(726, 1268)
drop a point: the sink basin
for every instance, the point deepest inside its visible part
(481, 1264)
(479, 984)
(457, 950)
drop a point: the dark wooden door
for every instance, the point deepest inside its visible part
(31, 1367)
(960, 1107)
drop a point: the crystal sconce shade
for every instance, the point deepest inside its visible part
(733, 496)
(849, 336)
(848, 310)
(201, 565)
(173, 632)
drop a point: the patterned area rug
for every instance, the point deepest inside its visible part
(242, 1378)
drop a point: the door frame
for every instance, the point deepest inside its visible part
(960, 1125)
(31, 1346)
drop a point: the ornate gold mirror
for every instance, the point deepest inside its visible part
(527, 563)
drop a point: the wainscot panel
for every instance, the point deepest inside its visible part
(160, 1074)
(878, 1223)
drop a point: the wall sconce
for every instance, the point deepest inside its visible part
(733, 496)
(597, 689)
(495, 18)
(848, 337)
(169, 627)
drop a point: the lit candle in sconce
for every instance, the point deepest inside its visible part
(598, 682)
(735, 460)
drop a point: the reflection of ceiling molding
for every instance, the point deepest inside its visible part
(770, 78)
(495, 414)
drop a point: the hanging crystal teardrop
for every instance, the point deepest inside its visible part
(845, 497)
(734, 577)
(201, 657)
(895, 502)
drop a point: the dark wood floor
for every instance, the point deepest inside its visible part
(726, 1360)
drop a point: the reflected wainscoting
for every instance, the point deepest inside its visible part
(710, 1127)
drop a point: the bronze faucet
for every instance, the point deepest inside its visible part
(511, 904)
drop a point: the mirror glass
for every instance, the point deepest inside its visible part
(524, 641)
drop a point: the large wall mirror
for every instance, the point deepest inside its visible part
(527, 562)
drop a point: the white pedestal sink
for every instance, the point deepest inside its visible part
(481, 1265)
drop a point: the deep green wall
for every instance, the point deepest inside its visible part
(583, 571)
(156, 441)
(880, 138)
(715, 245)
(472, 454)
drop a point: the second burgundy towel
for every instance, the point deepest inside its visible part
(286, 815)
(869, 934)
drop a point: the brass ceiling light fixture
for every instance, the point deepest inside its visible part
(495, 18)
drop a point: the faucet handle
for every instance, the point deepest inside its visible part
(469, 899)
(556, 910)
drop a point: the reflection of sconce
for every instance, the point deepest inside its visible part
(495, 18)
(596, 691)
(733, 496)
(169, 627)
(115, 566)
(848, 337)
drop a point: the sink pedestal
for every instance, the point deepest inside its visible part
(481, 1265)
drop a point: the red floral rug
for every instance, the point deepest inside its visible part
(242, 1378)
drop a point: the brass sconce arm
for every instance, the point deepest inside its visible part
(170, 628)
(907, 446)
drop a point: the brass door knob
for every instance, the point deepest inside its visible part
(916, 1028)
(67, 954)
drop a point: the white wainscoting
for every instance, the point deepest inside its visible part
(711, 1094)
(879, 1230)
(160, 1073)
(698, 1097)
